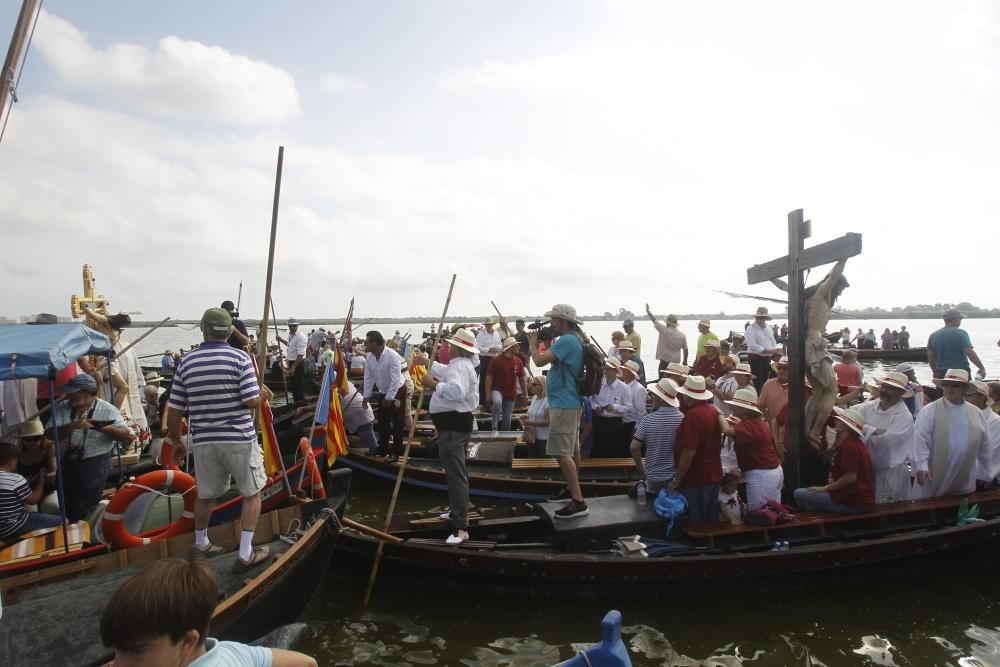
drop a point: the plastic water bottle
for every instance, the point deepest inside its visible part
(640, 492)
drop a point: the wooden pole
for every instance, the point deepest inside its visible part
(136, 341)
(281, 362)
(21, 28)
(796, 350)
(506, 327)
(406, 453)
(239, 297)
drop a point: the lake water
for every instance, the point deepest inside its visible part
(952, 618)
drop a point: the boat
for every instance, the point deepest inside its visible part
(52, 617)
(910, 354)
(494, 473)
(621, 550)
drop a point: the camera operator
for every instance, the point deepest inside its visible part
(240, 337)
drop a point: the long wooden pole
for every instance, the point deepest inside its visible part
(406, 453)
(7, 76)
(281, 361)
(136, 341)
(506, 327)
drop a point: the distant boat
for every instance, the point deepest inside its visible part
(911, 354)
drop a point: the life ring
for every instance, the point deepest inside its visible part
(312, 469)
(113, 526)
(167, 449)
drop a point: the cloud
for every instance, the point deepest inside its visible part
(179, 79)
(974, 35)
(341, 83)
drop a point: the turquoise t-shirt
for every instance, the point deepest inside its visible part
(232, 654)
(560, 384)
(948, 345)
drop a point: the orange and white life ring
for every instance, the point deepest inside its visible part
(112, 521)
(312, 470)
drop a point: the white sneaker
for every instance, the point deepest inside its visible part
(457, 538)
(446, 516)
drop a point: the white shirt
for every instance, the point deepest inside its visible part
(296, 346)
(636, 409)
(383, 372)
(759, 338)
(892, 448)
(616, 395)
(458, 386)
(613, 352)
(536, 412)
(356, 413)
(992, 420)
(958, 436)
(485, 340)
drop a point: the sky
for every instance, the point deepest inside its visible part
(602, 153)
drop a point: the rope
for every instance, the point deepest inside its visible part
(157, 491)
(585, 658)
(17, 82)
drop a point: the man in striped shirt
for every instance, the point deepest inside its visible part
(216, 386)
(658, 431)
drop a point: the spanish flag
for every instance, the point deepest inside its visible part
(268, 439)
(329, 413)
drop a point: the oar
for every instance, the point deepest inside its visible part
(262, 353)
(604, 354)
(503, 323)
(406, 453)
(14, 429)
(133, 343)
(281, 362)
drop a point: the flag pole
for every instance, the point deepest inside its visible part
(406, 453)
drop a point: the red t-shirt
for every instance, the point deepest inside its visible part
(754, 449)
(705, 367)
(504, 373)
(852, 456)
(700, 431)
(848, 375)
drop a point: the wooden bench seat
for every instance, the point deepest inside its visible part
(542, 464)
(925, 509)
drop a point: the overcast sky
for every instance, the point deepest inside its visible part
(604, 153)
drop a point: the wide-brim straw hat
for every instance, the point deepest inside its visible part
(711, 342)
(31, 429)
(852, 418)
(761, 312)
(564, 311)
(463, 339)
(742, 369)
(153, 376)
(694, 387)
(488, 320)
(745, 398)
(705, 323)
(631, 366)
(666, 390)
(626, 345)
(780, 362)
(897, 381)
(611, 362)
(954, 375)
(509, 342)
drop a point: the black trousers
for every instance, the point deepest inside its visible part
(761, 369)
(607, 437)
(390, 427)
(297, 383)
(484, 365)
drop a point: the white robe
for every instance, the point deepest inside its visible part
(993, 431)
(18, 402)
(958, 443)
(131, 371)
(890, 450)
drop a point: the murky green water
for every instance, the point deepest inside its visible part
(952, 618)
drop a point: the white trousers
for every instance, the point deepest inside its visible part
(763, 485)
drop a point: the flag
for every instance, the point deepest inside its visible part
(268, 439)
(329, 412)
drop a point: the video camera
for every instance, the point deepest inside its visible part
(546, 332)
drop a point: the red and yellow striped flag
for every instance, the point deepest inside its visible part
(336, 434)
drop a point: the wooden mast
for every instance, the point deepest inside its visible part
(21, 30)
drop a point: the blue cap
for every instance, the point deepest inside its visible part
(81, 381)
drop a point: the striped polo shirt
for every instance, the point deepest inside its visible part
(658, 430)
(13, 515)
(211, 384)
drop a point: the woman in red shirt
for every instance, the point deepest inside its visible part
(755, 453)
(853, 487)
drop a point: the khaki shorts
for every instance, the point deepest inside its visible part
(564, 431)
(214, 464)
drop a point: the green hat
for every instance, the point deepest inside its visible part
(216, 320)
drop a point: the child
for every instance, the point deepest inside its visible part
(15, 519)
(160, 616)
(729, 499)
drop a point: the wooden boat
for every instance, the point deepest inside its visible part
(911, 354)
(52, 617)
(494, 473)
(524, 552)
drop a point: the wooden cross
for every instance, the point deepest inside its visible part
(798, 260)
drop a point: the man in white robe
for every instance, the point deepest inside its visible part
(888, 432)
(950, 441)
(978, 394)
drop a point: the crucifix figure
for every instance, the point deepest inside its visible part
(808, 314)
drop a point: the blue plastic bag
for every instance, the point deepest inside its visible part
(670, 505)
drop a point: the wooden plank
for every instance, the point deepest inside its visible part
(848, 245)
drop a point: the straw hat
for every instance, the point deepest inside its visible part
(31, 429)
(679, 370)
(632, 366)
(509, 342)
(488, 320)
(694, 387)
(897, 381)
(780, 362)
(852, 418)
(745, 398)
(711, 342)
(463, 339)
(564, 311)
(153, 376)
(666, 391)
(742, 369)
(626, 345)
(705, 323)
(611, 362)
(954, 375)
(735, 359)
(761, 313)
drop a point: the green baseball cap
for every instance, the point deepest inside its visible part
(216, 320)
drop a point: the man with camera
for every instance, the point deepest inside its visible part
(240, 337)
